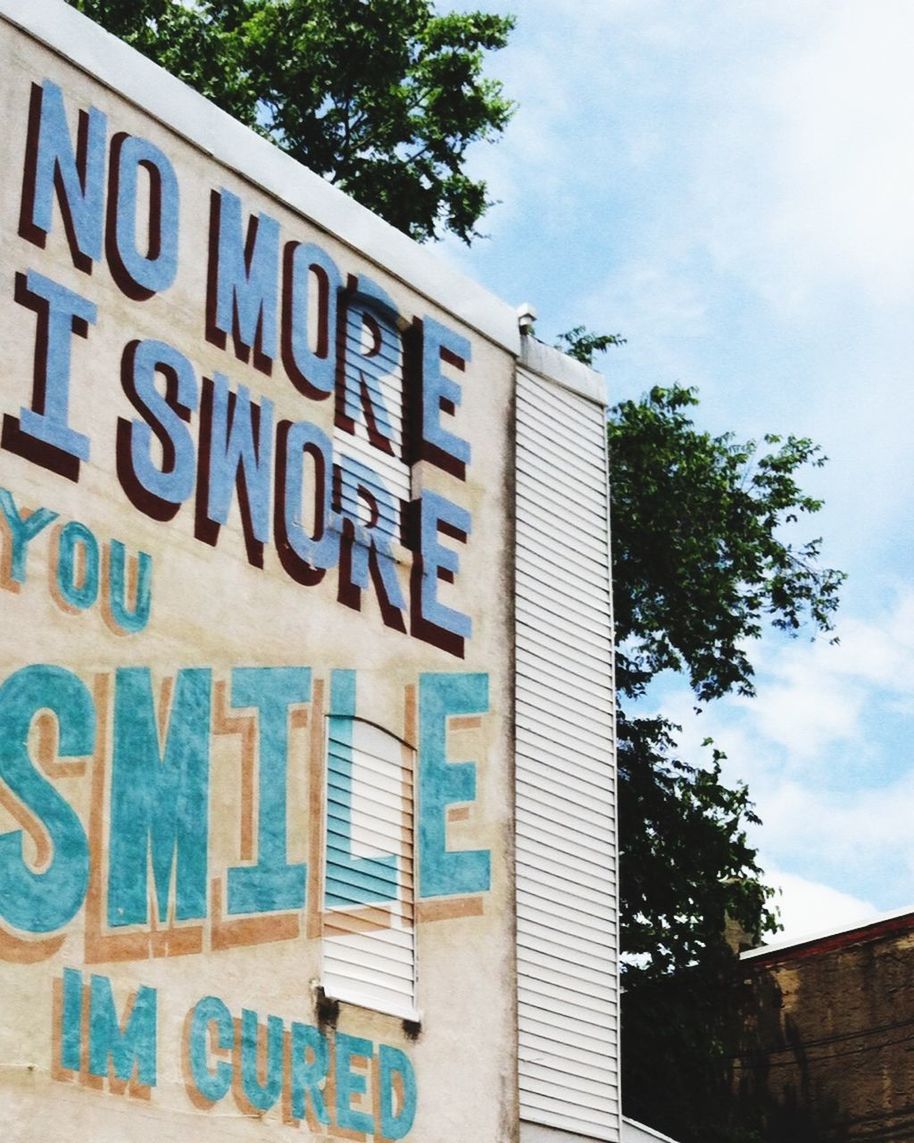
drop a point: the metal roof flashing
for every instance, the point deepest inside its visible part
(868, 928)
(558, 367)
(177, 106)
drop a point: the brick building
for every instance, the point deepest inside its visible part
(828, 1049)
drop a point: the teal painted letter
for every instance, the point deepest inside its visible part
(159, 798)
(212, 1085)
(261, 1095)
(396, 1123)
(78, 576)
(71, 1019)
(308, 1074)
(442, 783)
(272, 883)
(133, 621)
(22, 531)
(45, 901)
(135, 1045)
(349, 1083)
(350, 880)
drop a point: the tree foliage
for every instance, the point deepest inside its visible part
(702, 563)
(698, 526)
(382, 98)
(580, 343)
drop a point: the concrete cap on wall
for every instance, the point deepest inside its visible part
(563, 370)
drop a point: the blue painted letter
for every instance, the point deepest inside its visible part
(241, 451)
(243, 281)
(77, 174)
(45, 901)
(61, 313)
(159, 798)
(442, 783)
(140, 275)
(439, 445)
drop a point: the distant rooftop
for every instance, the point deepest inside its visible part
(886, 924)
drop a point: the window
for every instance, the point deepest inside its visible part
(368, 925)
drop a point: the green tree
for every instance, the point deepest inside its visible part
(383, 98)
(701, 566)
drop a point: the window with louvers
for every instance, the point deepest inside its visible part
(368, 928)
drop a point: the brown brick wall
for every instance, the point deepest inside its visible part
(828, 1049)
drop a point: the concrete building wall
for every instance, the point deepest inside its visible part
(255, 739)
(267, 469)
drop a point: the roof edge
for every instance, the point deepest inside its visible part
(113, 63)
(558, 367)
(869, 929)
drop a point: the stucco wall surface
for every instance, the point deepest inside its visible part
(175, 641)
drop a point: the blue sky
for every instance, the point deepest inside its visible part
(731, 186)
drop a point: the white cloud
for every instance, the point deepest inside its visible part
(808, 176)
(812, 696)
(809, 907)
(730, 186)
(777, 138)
(831, 779)
(867, 834)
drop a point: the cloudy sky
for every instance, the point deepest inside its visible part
(731, 186)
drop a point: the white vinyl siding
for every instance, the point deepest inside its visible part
(369, 945)
(565, 775)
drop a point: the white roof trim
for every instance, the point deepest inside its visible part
(173, 103)
(811, 938)
(633, 1130)
(558, 367)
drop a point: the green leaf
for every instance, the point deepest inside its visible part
(383, 98)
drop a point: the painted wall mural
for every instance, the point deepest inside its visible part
(252, 727)
(266, 301)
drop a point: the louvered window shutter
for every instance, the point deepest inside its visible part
(368, 928)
